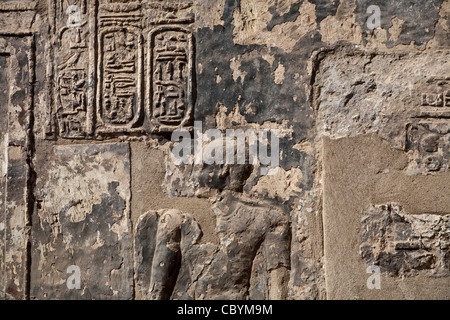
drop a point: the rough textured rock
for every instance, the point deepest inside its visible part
(91, 92)
(171, 263)
(403, 244)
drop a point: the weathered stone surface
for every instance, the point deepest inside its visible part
(3, 166)
(356, 95)
(413, 18)
(359, 93)
(83, 220)
(91, 91)
(16, 73)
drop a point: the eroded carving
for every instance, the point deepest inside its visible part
(83, 220)
(167, 244)
(17, 6)
(166, 241)
(202, 180)
(244, 226)
(403, 244)
(436, 100)
(72, 69)
(171, 73)
(435, 103)
(429, 144)
(441, 96)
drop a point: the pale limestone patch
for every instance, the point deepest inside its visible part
(209, 13)
(225, 121)
(252, 18)
(267, 56)
(279, 74)
(14, 153)
(4, 156)
(306, 147)
(120, 228)
(283, 6)
(442, 26)
(396, 28)
(342, 26)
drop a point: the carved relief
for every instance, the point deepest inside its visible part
(428, 137)
(171, 74)
(119, 100)
(72, 68)
(119, 77)
(170, 262)
(102, 48)
(436, 100)
(403, 244)
(429, 143)
(8, 5)
(117, 12)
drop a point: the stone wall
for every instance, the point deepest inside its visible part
(350, 99)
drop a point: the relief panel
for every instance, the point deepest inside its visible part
(16, 105)
(429, 142)
(100, 80)
(161, 12)
(171, 74)
(120, 66)
(435, 102)
(428, 135)
(403, 244)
